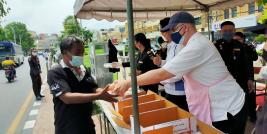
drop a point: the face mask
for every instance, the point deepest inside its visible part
(228, 36)
(176, 37)
(34, 53)
(76, 61)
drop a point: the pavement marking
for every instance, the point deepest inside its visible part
(37, 103)
(15, 123)
(29, 124)
(34, 112)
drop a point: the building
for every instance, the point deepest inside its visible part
(243, 16)
(46, 41)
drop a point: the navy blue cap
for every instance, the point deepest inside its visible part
(179, 17)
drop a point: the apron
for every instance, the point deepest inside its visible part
(198, 99)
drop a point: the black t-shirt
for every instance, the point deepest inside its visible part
(71, 118)
(145, 64)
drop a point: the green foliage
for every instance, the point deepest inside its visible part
(263, 18)
(2, 34)
(17, 32)
(3, 8)
(72, 27)
(260, 38)
(87, 35)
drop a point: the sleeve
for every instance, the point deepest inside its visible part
(30, 63)
(57, 84)
(254, 54)
(245, 63)
(187, 60)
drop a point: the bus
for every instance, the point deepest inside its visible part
(11, 50)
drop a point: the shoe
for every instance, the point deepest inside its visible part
(38, 98)
(41, 96)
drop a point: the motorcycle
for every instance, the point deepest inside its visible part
(9, 73)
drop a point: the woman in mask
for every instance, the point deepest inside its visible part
(35, 71)
(143, 62)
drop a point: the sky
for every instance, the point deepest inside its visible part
(47, 16)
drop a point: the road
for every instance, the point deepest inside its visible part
(13, 95)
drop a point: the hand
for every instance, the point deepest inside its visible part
(157, 60)
(121, 87)
(103, 94)
(250, 86)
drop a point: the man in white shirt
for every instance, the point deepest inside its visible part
(213, 96)
(174, 87)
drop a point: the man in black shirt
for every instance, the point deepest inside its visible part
(235, 56)
(73, 90)
(252, 56)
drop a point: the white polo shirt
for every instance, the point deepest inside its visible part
(169, 85)
(202, 62)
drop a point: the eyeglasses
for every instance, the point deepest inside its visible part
(177, 28)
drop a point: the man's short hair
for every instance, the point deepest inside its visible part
(227, 23)
(68, 43)
(163, 23)
(240, 34)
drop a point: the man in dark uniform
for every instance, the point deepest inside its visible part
(74, 90)
(252, 56)
(234, 55)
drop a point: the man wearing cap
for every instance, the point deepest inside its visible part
(213, 96)
(174, 87)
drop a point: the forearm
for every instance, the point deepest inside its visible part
(153, 77)
(78, 98)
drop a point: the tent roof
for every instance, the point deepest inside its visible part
(147, 9)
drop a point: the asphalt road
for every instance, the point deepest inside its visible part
(13, 95)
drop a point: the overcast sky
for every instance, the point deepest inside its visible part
(46, 16)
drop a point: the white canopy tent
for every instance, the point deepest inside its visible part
(147, 9)
(132, 10)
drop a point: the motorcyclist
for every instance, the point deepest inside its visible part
(8, 62)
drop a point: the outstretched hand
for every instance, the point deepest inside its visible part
(119, 87)
(103, 94)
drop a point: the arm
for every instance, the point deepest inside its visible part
(187, 61)
(79, 98)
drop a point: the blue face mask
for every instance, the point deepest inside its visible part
(176, 37)
(76, 61)
(228, 36)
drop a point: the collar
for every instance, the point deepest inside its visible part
(78, 76)
(193, 37)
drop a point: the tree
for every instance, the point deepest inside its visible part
(2, 34)
(3, 9)
(263, 18)
(87, 35)
(17, 32)
(71, 26)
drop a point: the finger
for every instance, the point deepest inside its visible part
(106, 88)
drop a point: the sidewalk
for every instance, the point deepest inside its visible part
(45, 118)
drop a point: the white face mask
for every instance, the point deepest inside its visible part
(34, 53)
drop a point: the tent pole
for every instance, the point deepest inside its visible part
(133, 66)
(208, 16)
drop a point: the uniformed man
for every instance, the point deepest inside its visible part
(144, 62)
(234, 56)
(252, 56)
